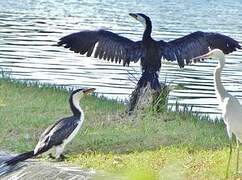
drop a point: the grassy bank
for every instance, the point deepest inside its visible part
(165, 145)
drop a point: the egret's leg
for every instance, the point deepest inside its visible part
(237, 157)
(230, 153)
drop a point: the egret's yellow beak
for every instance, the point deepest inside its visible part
(205, 56)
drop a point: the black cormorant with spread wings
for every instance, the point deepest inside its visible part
(112, 47)
(57, 135)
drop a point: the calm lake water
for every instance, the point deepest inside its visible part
(29, 28)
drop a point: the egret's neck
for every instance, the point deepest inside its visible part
(148, 29)
(75, 106)
(219, 88)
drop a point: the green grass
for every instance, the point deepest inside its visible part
(167, 145)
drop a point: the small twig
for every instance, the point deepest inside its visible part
(132, 81)
(131, 74)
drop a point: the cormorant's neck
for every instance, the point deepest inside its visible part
(148, 29)
(219, 88)
(75, 106)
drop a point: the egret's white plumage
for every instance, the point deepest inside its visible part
(231, 108)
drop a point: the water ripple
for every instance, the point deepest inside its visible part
(29, 30)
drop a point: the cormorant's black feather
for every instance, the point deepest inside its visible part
(110, 45)
(19, 158)
(196, 44)
(62, 129)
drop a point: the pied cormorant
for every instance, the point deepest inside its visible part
(115, 48)
(57, 135)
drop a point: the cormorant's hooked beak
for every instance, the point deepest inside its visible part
(88, 91)
(133, 15)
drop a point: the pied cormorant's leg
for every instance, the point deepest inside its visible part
(59, 151)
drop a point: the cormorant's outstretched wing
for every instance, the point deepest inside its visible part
(56, 134)
(196, 44)
(110, 46)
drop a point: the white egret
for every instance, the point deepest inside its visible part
(231, 108)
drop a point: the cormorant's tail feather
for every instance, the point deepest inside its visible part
(19, 158)
(12, 163)
(149, 77)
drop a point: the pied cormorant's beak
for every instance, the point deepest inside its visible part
(88, 91)
(133, 15)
